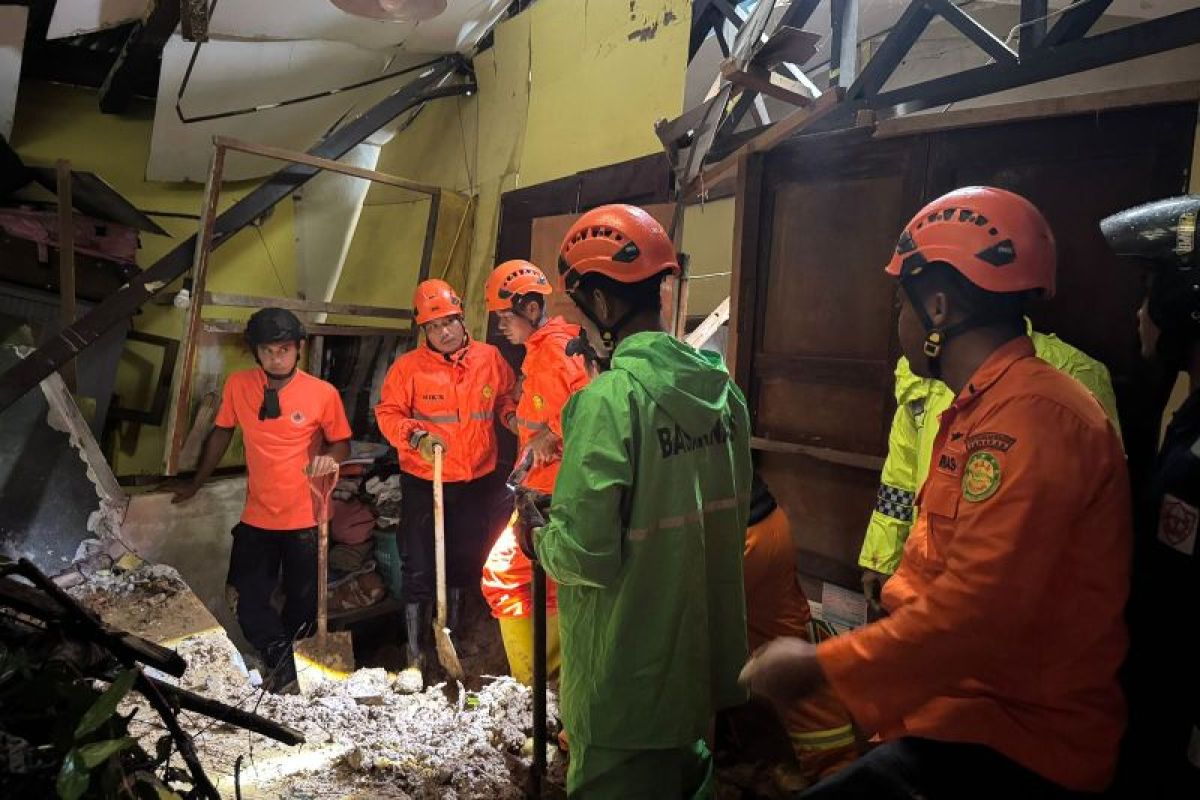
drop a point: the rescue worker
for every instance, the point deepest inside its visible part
(919, 403)
(445, 395)
(1162, 750)
(516, 292)
(820, 729)
(293, 425)
(646, 528)
(995, 673)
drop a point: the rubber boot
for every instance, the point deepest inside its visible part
(417, 620)
(281, 670)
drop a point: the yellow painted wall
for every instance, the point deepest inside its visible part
(54, 122)
(567, 86)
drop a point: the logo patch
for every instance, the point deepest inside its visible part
(298, 418)
(1177, 523)
(538, 402)
(990, 441)
(487, 390)
(981, 477)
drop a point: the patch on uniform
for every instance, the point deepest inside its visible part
(297, 418)
(981, 478)
(990, 441)
(1177, 522)
(538, 402)
(487, 390)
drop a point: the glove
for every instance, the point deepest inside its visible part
(424, 442)
(531, 509)
(872, 582)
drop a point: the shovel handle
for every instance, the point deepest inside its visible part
(439, 535)
(322, 581)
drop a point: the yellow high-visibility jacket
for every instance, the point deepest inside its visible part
(919, 403)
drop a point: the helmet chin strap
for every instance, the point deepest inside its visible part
(935, 337)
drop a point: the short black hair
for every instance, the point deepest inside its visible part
(640, 296)
(519, 301)
(996, 309)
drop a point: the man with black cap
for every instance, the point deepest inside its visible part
(1161, 755)
(293, 425)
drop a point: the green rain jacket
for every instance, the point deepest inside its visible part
(919, 404)
(645, 540)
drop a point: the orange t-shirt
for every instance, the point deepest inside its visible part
(1006, 623)
(279, 450)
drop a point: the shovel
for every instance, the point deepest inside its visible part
(447, 656)
(326, 656)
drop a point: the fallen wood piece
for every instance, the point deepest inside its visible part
(190, 701)
(762, 80)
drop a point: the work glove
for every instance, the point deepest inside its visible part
(872, 583)
(424, 442)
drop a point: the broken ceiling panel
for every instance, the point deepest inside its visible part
(12, 44)
(456, 28)
(77, 17)
(233, 76)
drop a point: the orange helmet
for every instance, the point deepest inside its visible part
(435, 299)
(512, 279)
(998, 240)
(618, 241)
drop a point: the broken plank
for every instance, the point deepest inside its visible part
(710, 325)
(66, 260)
(763, 81)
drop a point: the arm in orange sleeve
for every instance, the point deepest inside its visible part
(997, 567)
(506, 395)
(394, 411)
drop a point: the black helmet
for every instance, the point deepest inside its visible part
(1164, 233)
(270, 325)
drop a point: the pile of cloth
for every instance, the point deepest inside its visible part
(366, 499)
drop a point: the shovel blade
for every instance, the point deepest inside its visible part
(447, 655)
(318, 661)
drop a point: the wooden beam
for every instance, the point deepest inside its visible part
(314, 306)
(982, 38)
(710, 325)
(139, 55)
(238, 327)
(798, 120)
(1185, 92)
(763, 81)
(178, 421)
(193, 23)
(844, 458)
(66, 262)
(1033, 21)
(748, 226)
(281, 154)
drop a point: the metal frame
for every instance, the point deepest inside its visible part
(178, 420)
(68, 343)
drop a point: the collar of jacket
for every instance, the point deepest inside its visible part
(994, 367)
(552, 325)
(457, 357)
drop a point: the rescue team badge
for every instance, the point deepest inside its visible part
(990, 441)
(538, 402)
(487, 390)
(1177, 523)
(297, 418)
(981, 478)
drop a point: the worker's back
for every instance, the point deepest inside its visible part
(646, 539)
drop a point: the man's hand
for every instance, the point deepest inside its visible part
(546, 448)
(426, 444)
(322, 465)
(183, 492)
(872, 583)
(783, 670)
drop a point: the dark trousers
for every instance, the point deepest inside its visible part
(923, 769)
(470, 507)
(255, 564)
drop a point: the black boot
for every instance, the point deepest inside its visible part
(417, 621)
(281, 670)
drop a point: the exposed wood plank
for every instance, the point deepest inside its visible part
(1161, 94)
(710, 325)
(237, 328)
(59, 399)
(743, 305)
(178, 420)
(142, 49)
(66, 261)
(282, 154)
(314, 306)
(763, 81)
(829, 455)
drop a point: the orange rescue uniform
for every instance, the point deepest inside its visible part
(550, 378)
(1006, 620)
(279, 450)
(819, 726)
(455, 397)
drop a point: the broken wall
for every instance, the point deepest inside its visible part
(54, 121)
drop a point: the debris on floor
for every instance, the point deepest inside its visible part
(364, 739)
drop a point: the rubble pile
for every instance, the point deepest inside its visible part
(364, 739)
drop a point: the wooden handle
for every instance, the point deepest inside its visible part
(439, 535)
(322, 581)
